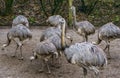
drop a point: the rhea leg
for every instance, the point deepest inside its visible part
(95, 70)
(42, 67)
(108, 48)
(105, 47)
(86, 38)
(85, 72)
(59, 56)
(46, 62)
(56, 59)
(21, 56)
(15, 51)
(19, 44)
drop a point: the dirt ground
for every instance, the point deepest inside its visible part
(13, 68)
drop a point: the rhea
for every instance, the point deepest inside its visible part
(108, 32)
(18, 34)
(83, 28)
(85, 54)
(44, 50)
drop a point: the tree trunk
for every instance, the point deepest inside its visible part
(70, 13)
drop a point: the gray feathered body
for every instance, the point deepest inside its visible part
(20, 19)
(56, 40)
(19, 31)
(50, 32)
(45, 49)
(109, 32)
(85, 28)
(86, 54)
(54, 20)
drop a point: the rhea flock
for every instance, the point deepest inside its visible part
(18, 34)
(47, 52)
(108, 32)
(85, 54)
(83, 28)
(20, 19)
(54, 31)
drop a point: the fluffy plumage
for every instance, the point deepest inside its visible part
(54, 20)
(20, 19)
(109, 32)
(45, 48)
(19, 31)
(85, 27)
(56, 40)
(50, 32)
(86, 54)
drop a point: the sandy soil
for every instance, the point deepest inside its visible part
(13, 68)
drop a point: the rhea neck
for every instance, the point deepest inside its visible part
(63, 43)
(63, 35)
(74, 17)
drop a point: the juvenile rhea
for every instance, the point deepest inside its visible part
(85, 55)
(19, 32)
(84, 28)
(20, 19)
(108, 32)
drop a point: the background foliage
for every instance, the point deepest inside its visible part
(97, 12)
